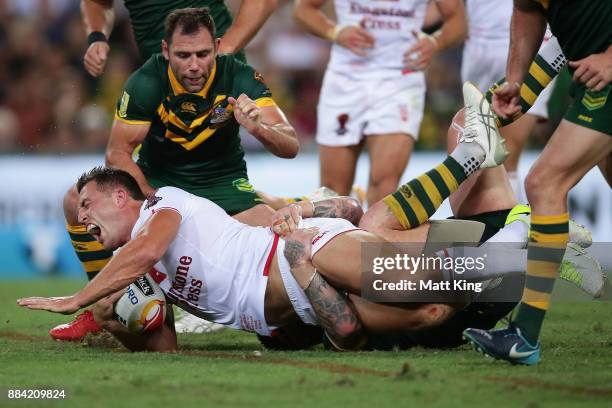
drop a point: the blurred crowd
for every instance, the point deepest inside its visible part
(49, 104)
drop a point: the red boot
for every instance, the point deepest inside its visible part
(77, 329)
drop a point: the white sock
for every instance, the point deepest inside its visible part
(469, 155)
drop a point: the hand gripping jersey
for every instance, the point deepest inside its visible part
(216, 268)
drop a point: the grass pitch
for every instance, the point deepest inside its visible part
(231, 369)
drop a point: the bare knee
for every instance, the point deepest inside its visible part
(543, 187)
(378, 219)
(71, 204)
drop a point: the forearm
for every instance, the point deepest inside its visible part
(251, 16)
(98, 16)
(336, 207)
(527, 29)
(453, 30)
(280, 139)
(333, 311)
(313, 20)
(123, 160)
(132, 262)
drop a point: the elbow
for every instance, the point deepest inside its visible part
(291, 150)
(113, 157)
(355, 210)
(292, 153)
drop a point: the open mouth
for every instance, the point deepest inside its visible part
(94, 230)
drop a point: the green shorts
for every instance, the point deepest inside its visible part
(591, 109)
(234, 195)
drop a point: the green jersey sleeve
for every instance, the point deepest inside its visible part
(142, 93)
(250, 82)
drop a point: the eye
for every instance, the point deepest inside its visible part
(202, 54)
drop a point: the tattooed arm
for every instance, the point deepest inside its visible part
(333, 309)
(287, 219)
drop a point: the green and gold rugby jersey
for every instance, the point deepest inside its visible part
(583, 27)
(193, 141)
(148, 18)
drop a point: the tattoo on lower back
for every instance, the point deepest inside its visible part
(335, 315)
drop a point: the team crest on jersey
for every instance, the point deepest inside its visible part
(123, 105)
(151, 201)
(220, 115)
(342, 119)
(258, 77)
(189, 107)
(595, 99)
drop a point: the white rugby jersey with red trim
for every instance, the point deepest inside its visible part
(216, 266)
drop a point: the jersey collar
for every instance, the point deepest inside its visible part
(178, 89)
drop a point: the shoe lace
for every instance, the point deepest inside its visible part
(471, 119)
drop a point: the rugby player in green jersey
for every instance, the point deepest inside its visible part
(185, 107)
(581, 141)
(147, 19)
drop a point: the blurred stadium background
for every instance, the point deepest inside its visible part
(55, 120)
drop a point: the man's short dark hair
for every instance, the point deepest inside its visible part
(189, 21)
(107, 177)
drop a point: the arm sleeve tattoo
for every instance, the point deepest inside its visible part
(335, 314)
(339, 207)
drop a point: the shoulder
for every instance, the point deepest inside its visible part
(245, 79)
(151, 75)
(168, 198)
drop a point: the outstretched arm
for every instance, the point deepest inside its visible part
(136, 258)
(333, 309)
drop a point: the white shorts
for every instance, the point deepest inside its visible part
(484, 63)
(329, 228)
(350, 109)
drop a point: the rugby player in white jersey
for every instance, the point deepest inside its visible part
(241, 276)
(373, 92)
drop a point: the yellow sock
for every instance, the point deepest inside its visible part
(414, 202)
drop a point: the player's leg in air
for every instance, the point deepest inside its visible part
(485, 208)
(538, 84)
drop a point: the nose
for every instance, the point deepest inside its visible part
(82, 217)
(193, 63)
